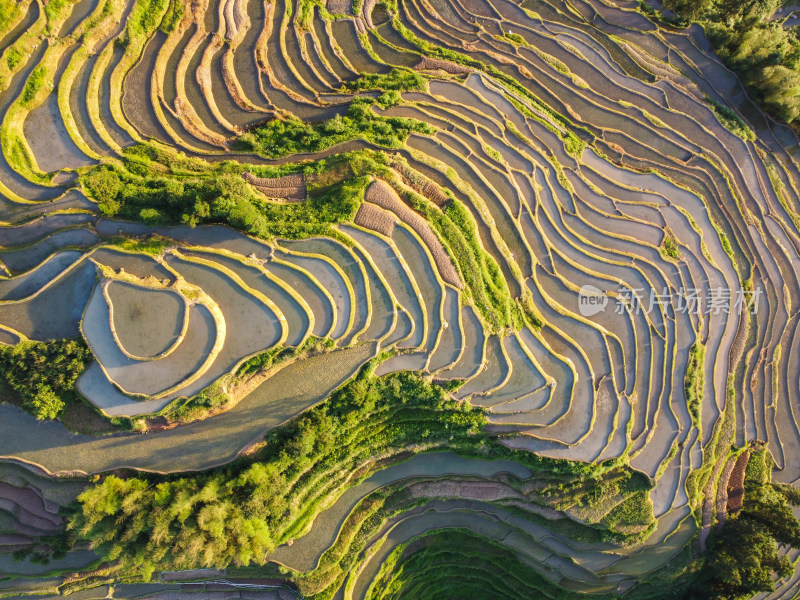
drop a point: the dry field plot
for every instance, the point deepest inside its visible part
(534, 206)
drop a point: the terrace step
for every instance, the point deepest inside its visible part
(158, 377)
(391, 265)
(299, 316)
(354, 270)
(333, 280)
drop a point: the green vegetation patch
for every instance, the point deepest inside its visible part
(274, 356)
(669, 247)
(10, 11)
(160, 186)
(282, 137)
(54, 8)
(146, 16)
(764, 54)
(236, 514)
(483, 280)
(14, 57)
(515, 38)
(44, 373)
(458, 563)
(401, 80)
(744, 558)
(732, 121)
(694, 382)
(173, 16)
(36, 81)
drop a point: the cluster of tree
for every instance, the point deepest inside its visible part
(152, 186)
(238, 514)
(764, 54)
(744, 558)
(282, 137)
(44, 373)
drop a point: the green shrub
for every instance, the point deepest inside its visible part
(669, 247)
(14, 58)
(515, 37)
(52, 10)
(104, 185)
(305, 13)
(732, 121)
(198, 406)
(36, 81)
(273, 356)
(264, 360)
(173, 16)
(146, 16)
(389, 99)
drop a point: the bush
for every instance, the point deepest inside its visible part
(516, 38)
(694, 382)
(10, 11)
(36, 82)
(173, 16)
(389, 99)
(669, 247)
(150, 216)
(146, 16)
(53, 9)
(732, 121)
(14, 58)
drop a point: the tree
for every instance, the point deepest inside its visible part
(690, 9)
(151, 216)
(44, 403)
(104, 185)
(779, 87)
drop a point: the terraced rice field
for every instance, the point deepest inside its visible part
(566, 228)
